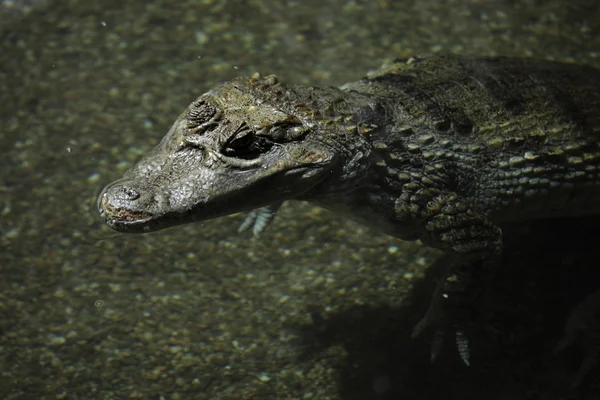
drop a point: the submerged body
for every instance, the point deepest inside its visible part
(444, 150)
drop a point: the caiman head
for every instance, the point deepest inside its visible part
(243, 145)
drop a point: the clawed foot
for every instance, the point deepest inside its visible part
(437, 343)
(259, 219)
(440, 316)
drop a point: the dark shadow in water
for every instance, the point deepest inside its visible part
(548, 268)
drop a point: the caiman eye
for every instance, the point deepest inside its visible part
(246, 145)
(241, 142)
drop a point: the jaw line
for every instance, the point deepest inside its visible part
(119, 224)
(172, 218)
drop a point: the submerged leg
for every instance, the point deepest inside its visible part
(448, 223)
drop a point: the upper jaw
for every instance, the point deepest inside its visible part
(120, 218)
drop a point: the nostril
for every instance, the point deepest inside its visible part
(131, 193)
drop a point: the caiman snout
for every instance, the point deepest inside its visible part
(122, 204)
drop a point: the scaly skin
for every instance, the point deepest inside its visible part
(444, 150)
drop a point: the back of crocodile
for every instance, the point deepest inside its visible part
(520, 136)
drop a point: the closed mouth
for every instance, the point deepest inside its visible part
(119, 216)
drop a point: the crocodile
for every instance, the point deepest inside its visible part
(446, 149)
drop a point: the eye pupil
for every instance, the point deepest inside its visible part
(247, 145)
(243, 146)
(242, 142)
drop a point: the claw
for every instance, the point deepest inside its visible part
(437, 343)
(438, 315)
(259, 219)
(462, 344)
(419, 328)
